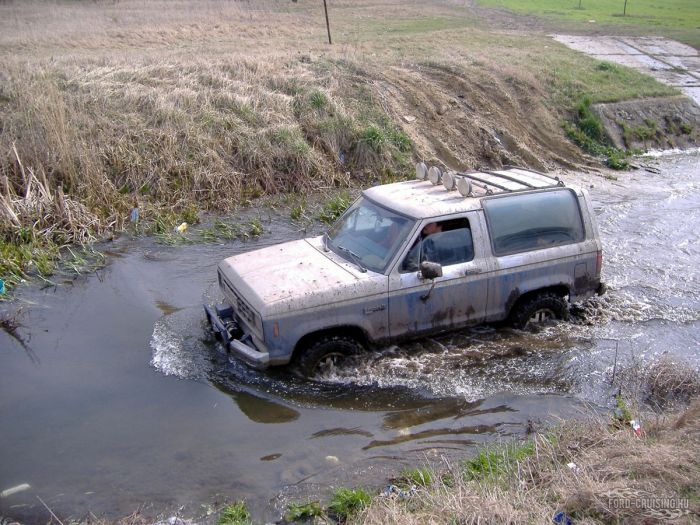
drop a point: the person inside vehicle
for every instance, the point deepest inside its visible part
(422, 249)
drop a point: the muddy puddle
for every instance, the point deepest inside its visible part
(118, 400)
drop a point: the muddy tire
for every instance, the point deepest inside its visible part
(326, 351)
(538, 310)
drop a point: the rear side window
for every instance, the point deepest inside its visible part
(532, 221)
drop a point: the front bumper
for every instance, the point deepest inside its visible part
(234, 338)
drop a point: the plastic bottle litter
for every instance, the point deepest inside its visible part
(636, 427)
(2, 287)
(134, 217)
(174, 520)
(14, 490)
(389, 490)
(562, 518)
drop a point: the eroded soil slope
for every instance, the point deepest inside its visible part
(467, 123)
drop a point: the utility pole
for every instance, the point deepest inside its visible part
(328, 25)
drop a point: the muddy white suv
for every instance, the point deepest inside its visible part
(410, 259)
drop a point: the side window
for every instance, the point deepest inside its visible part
(532, 221)
(445, 242)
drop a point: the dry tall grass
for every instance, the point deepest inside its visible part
(215, 134)
(592, 471)
(661, 383)
(180, 104)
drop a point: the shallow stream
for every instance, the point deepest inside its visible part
(113, 397)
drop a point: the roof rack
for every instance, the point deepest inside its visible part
(508, 180)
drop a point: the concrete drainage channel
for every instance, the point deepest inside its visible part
(670, 62)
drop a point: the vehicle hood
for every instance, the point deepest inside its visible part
(297, 275)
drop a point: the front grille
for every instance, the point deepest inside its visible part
(243, 309)
(240, 306)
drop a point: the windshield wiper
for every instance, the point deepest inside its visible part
(356, 258)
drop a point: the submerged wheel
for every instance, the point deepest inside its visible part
(326, 352)
(538, 310)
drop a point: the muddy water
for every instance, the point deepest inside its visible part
(117, 398)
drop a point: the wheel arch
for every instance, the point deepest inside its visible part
(561, 290)
(309, 339)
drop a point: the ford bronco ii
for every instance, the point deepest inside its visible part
(410, 259)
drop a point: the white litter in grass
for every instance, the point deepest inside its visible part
(14, 490)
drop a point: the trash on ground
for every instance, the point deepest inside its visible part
(573, 466)
(174, 520)
(636, 427)
(14, 490)
(561, 518)
(182, 228)
(390, 490)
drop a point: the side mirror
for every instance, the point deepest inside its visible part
(430, 270)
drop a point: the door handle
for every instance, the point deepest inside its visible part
(472, 271)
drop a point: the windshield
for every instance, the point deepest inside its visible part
(369, 235)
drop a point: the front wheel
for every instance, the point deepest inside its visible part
(325, 353)
(538, 310)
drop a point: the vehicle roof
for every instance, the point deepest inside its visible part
(422, 199)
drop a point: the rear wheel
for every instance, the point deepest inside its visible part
(325, 353)
(538, 310)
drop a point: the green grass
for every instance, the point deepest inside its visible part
(418, 476)
(497, 462)
(587, 132)
(303, 511)
(20, 261)
(235, 514)
(622, 412)
(335, 207)
(573, 77)
(673, 17)
(346, 502)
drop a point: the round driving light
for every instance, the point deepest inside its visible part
(421, 171)
(435, 175)
(449, 180)
(464, 186)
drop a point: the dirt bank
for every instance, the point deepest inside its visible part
(659, 123)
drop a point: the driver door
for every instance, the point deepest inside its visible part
(458, 298)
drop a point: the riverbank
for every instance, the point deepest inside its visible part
(637, 464)
(602, 469)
